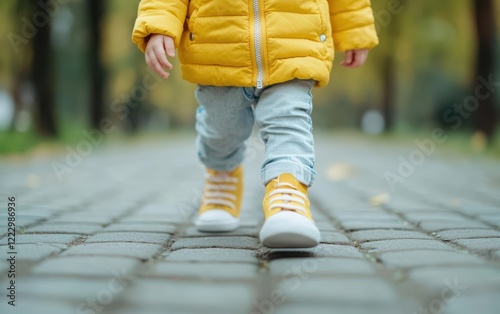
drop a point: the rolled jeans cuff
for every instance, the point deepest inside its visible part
(302, 173)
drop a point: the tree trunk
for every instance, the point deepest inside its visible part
(43, 82)
(485, 116)
(388, 95)
(388, 70)
(97, 73)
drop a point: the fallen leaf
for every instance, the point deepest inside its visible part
(379, 199)
(340, 172)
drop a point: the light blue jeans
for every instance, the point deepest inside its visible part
(226, 115)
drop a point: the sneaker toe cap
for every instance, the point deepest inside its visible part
(216, 220)
(215, 215)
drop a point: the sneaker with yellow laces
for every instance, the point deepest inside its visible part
(288, 220)
(221, 204)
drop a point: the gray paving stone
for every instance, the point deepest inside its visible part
(249, 232)
(167, 217)
(493, 218)
(233, 242)
(65, 228)
(157, 209)
(160, 309)
(325, 225)
(488, 303)
(334, 238)
(23, 222)
(322, 250)
(62, 288)
(22, 212)
(365, 216)
(202, 271)
(100, 219)
(170, 294)
(479, 209)
(111, 207)
(467, 278)
(434, 216)
(4, 267)
(443, 225)
(320, 266)
(322, 290)
(484, 244)
(213, 255)
(405, 205)
(142, 251)
(43, 238)
(138, 237)
(100, 266)
(352, 205)
(387, 234)
(404, 244)
(206, 280)
(419, 258)
(367, 224)
(253, 222)
(138, 227)
(39, 306)
(33, 252)
(337, 307)
(467, 234)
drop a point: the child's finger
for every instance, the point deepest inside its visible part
(168, 42)
(161, 57)
(156, 66)
(348, 58)
(359, 58)
(148, 60)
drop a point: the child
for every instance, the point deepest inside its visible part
(256, 61)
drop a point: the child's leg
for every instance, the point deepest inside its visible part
(224, 121)
(283, 115)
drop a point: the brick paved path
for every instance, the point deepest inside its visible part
(115, 236)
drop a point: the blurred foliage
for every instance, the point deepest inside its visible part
(432, 45)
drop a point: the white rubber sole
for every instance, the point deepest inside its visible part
(216, 220)
(288, 229)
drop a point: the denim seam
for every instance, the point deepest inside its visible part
(246, 95)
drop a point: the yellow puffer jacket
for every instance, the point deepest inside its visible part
(257, 42)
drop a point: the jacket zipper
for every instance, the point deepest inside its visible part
(257, 38)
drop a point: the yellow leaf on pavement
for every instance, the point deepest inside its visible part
(379, 199)
(340, 171)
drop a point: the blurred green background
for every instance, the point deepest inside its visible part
(68, 65)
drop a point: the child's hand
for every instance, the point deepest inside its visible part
(156, 50)
(355, 58)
